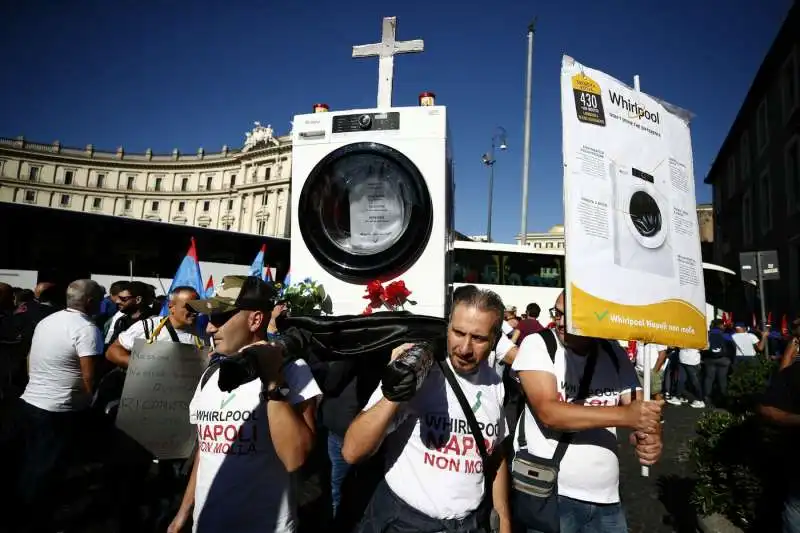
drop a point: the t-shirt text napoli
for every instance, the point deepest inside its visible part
(433, 462)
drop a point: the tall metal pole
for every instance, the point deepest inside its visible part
(526, 143)
(491, 192)
(762, 298)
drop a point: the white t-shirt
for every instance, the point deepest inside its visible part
(242, 485)
(110, 332)
(136, 331)
(689, 356)
(59, 341)
(652, 350)
(433, 462)
(745, 344)
(590, 468)
(495, 359)
(508, 329)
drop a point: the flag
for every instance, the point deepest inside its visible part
(209, 287)
(268, 274)
(257, 268)
(188, 275)
(784, 324)
(287, 280)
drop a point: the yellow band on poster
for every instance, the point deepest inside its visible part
(672, 322)
(584, 83)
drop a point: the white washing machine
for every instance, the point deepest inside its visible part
(372, 199)
(641, 221)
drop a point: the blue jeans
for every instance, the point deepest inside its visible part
(339, 468)
(586, 517)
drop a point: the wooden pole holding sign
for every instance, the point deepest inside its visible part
(648, 371)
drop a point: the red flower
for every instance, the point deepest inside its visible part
(367, 311)
(397, 293)
(375, 293)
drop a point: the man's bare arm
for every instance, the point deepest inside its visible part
(118, 355)
(540, 390)
(366, 432)
(87, 373)
(293, 429)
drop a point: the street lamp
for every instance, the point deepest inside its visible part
(499, 141)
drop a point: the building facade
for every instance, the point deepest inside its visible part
(756, 174)
(551, 239)
(244, 190)
(554, 237)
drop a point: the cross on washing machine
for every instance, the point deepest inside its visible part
(385, 51)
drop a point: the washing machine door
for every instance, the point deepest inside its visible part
(646, 218)
(365, 212)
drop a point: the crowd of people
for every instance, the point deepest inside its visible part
(497, 435)
(444, 464)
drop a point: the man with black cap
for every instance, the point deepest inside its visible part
(252, 437)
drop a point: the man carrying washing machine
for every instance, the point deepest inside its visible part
(436, 478)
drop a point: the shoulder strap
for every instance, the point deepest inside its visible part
(566, 437)
(474, 428)
(171, 330)
(550, 341)
(209, 373)
(147, 330)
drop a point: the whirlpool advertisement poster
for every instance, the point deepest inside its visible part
(634, 268)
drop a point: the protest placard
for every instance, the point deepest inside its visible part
(633, 264)
(154, 409)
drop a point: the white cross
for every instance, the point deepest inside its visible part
(386, 50)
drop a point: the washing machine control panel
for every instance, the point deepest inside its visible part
(366, 122)
(636, 173)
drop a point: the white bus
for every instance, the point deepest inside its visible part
(522, 275)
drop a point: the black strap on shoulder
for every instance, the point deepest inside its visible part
(209, 373)
(146, 329)
(583, 391)
(171, 330)
(550, 341)
(474, 428)
(470, 416)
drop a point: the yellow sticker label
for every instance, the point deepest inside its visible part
(588, 100)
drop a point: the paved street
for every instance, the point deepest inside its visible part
(660, 503)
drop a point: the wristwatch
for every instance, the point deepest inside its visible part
(278, 394)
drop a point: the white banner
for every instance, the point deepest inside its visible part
(633, 263)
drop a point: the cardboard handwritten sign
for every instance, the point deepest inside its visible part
(160, 383)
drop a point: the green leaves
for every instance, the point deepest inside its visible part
(308, 298)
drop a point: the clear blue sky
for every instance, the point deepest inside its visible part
(188, 74)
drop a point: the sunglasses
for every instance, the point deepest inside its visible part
(556, 313)
(219, 319)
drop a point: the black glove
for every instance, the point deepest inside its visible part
(399, 383)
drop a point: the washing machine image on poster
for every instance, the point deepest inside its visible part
(641, 219)
(633, 264)
(370, 199)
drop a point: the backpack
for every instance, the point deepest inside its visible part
(718, 346)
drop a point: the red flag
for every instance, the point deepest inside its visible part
(268, 274)
(784, 325)
(193, 250)
(210, 282)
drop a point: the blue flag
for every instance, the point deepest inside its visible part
(257, 268)
(188, 275)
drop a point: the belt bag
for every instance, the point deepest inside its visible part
(534, 480)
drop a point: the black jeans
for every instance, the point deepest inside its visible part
(387, 513)
(692, 373)
(46, 438)
(716, 371)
